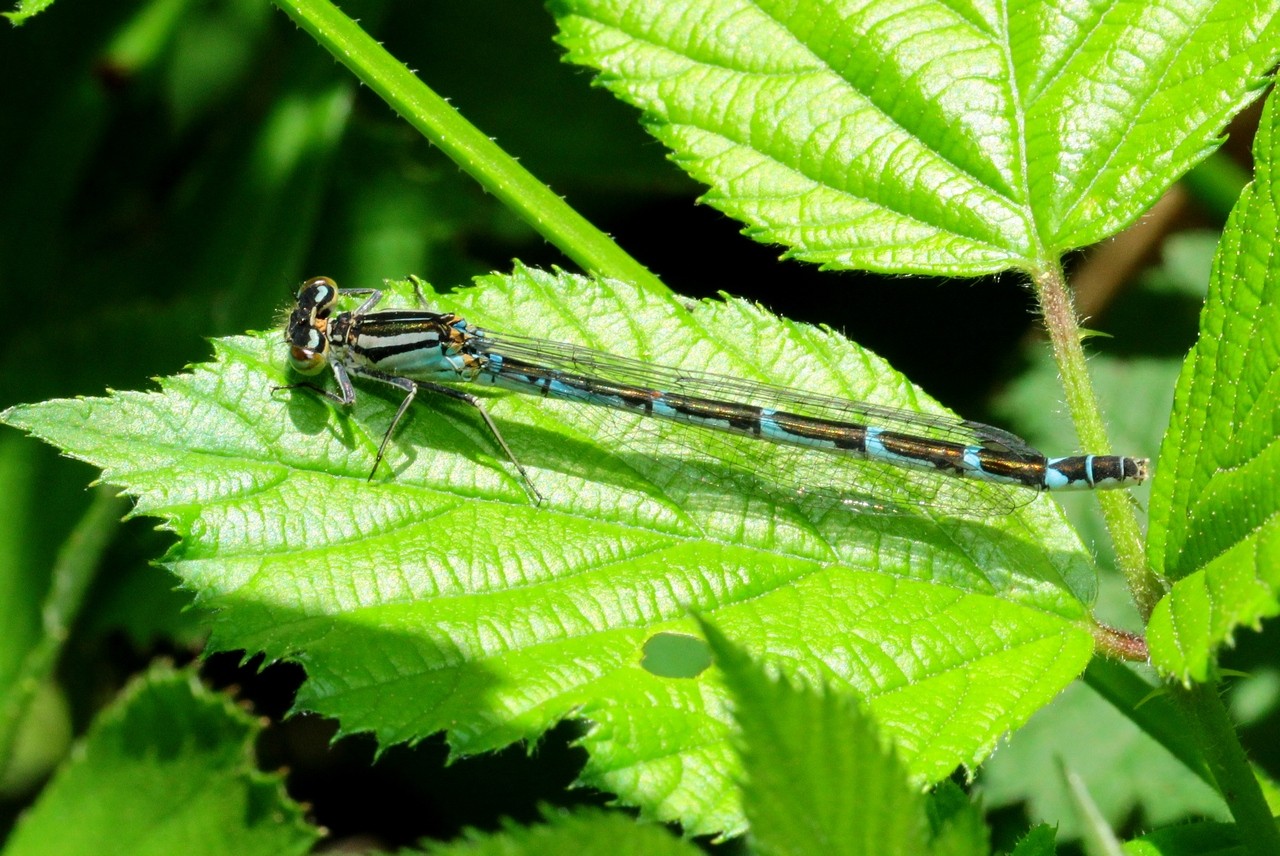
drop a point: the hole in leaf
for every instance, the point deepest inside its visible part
(675, 655)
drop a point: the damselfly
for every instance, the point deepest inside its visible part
(416, 349)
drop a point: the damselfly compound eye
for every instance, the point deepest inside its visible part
(317, 295)
(307, 332)
(305, 361)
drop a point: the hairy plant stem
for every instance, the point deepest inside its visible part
(473, 151)
(1063, 327)
(1214, 732)
(1225, 756)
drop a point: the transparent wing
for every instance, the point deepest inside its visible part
(782, 471)
(575, 359)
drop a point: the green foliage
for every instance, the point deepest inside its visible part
(37, 737)
(1125, 770)
(1037, 842)
(71, 577)
(215, 156)
(19, 624)
(411, 617)
(819, 779)
(929, 137)
(582, 832)
(27, 8)
(1215, 512)
(1193, 839)
(168, 768)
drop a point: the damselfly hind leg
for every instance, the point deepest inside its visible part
(332, 396)
(475, 402)
(411, 388)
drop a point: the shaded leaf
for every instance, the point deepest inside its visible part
(1191, 839)
(1123, 768)
(587, 831)
(168, 769)
(1040, 841)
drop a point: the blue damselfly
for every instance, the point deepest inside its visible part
(417, 349)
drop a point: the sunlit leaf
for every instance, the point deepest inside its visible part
(438, 597)
(926, 136)
(1215, 507)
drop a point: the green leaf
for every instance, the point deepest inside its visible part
(1124, 769)
(148, 609)
(168, 769)
(26, 9)
(1215, 512)
(39, 740)
(586, 831)
(436, 596)
(1038, 842)
(21, 588)
(818, 779)
(1190, 839)
(930, 137)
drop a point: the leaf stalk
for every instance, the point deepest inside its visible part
(1229, 765)
(1062, 324)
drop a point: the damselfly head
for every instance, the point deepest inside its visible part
(307, 332)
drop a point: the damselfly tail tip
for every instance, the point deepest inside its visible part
(1111, 471)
